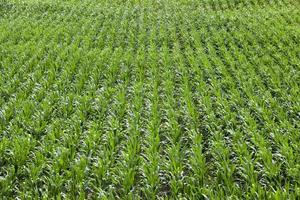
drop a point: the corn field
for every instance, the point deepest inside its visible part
(150, 99)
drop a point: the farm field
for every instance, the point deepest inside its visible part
(149, 99)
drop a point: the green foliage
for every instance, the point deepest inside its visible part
(148, 99)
